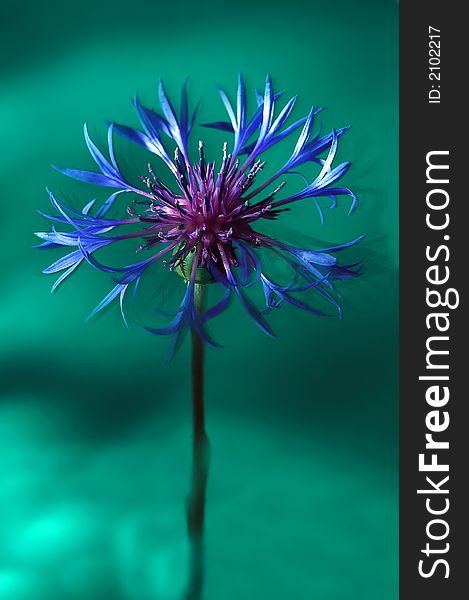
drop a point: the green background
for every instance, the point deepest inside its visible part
(94, 426)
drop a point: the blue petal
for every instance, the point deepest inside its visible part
(335, 174)
(184, 109)
(107, 205)
(312, 256)
(178, 133)
(107, 300)
(304, 135)
(316, 147)
(254, 312)
(241, 102)
(64, 262)
(283, 116)
(98, 156)
(219, 307)
(64, 275)
(86, 209)
(222, 125)
(135, 136)
(340, 247)
(151, 121)
(229, 108)
(267, 109)
(339, 192)
(194, 115)
(90, 177)
(270, 301)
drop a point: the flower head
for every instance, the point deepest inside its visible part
(207, 226)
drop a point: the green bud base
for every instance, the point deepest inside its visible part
(184, 269)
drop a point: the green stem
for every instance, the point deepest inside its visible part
(200, 463)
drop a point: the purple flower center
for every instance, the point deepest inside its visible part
(208, 212)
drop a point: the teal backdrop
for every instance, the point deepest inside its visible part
(94, 425)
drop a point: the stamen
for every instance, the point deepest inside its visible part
(277, 189)
(249, 178)
(152, 173)
(146, 181)
(203, 164)
(181, 176)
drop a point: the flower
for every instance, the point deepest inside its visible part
(203, 225)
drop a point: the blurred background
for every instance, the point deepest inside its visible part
(94, 425)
